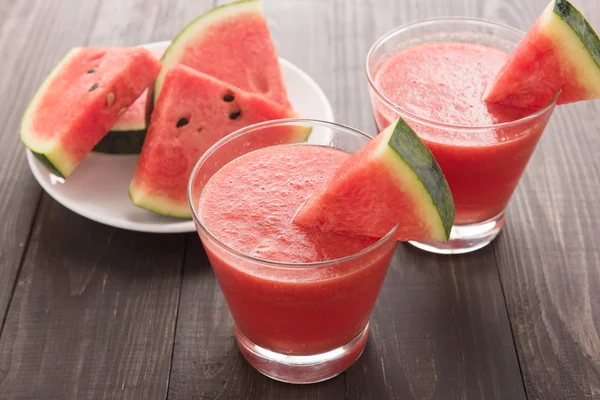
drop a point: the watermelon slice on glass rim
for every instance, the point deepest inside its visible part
(560, 53)
(393, 180)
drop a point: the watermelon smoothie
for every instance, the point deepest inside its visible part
(436, 85)
(301, 298)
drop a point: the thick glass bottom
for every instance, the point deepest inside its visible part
(466, 238)
(302, 369)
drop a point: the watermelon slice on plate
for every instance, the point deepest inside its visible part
(109, 202)
(561, 52)
(128, 133)
(393, 180)
(193, 112)
(81, 100)
(231, 43)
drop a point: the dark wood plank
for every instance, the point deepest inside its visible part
(94, 312)
(439, 331)
(173, 15)
(28, 53)
(549, 254)
(549, 260)
(206, 361)
(440, 328)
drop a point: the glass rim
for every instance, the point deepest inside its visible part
(270, 263)
(429, 122)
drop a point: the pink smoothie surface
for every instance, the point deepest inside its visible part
(444, 82)
(249, 204)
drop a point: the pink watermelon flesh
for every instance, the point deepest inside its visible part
(193, 112)
(231, 43)
(81, 100)
(378, 188)
(134, 118)
(552, 58)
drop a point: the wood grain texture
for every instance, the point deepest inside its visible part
(28, 54)
(439, 331)
(94, 312)
(549, 254)
(98, 312)
(93, 315)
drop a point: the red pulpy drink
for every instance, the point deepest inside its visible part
(249, 205)
(296, 294)
(437, 86)
(444, 82)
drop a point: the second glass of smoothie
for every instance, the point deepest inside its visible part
(433, 74)
(301, 298)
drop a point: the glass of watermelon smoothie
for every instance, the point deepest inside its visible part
(301, 298)
(433, 74)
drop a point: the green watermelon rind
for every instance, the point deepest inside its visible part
(121, 142)
(194, 29)
(53, 158)
(125, 137)
(163, 205)
(579, 43)
(420, 174)
(129, 127)
(577, 22)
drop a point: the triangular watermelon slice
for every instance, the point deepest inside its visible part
(81, 100)
(393, 180)
(561, 52)
(128, 133)
(193, 112)
(231, 43)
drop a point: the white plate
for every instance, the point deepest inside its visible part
(97, 189)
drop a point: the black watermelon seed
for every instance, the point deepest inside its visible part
(228, 98)
(91, 71)
(235, 114)
(182, 122)
(94, 87)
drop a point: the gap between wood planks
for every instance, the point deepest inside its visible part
(510, 322)
(39, 202)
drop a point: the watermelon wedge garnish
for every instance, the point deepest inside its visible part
(231, 43)
(560, 53)
(393, 180)
(193, 112)
(81, 100)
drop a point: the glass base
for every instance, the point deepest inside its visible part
(466, 238)
(302, 369)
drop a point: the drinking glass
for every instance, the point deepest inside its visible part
(482, 164)
(294, 322)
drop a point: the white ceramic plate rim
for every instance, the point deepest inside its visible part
(171, 225)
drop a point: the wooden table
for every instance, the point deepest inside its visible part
(92, 312)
